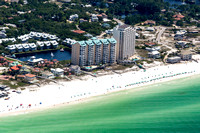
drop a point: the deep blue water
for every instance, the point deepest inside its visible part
(66, 55)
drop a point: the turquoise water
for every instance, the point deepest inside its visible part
(161, 108)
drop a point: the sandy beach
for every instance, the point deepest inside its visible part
(65, 92)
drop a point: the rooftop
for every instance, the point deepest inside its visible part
(97, 42)
(123, 26)
(104, 41)
(79, 31)
(112, 40)
(82, 43)
(15, 68)
(185, 52)
(154, 52)
(175, 57)
(20, 76)
(30, 75)
(89, 42)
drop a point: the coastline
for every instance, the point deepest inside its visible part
(64, 93)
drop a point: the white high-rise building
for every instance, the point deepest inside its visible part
(94, 52)
(125, 37)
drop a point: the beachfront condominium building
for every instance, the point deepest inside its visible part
(94, 52)
(98, 51)
(106, 51)
(90, 52)
(125, 37)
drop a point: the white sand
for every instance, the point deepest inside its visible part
(64, 92)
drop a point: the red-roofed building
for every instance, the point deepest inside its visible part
(14, 68)
(163, 10)
(30, 77)
(20, 77)
(79, 31)
(99, 15)
(149, 44)
(10, 18)
(2, 59)
(51, 63)
(19, 65)
(104, 15)
(178, 17)
(54, 60)
(5, 64)
(37, 70)
(149, 22)
(110, 2)
(10, 61)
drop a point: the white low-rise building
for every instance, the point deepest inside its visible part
(196, 42)
(19, 47)
(110, 31)
(32, 46)
(7, 40)
(75, 69)
(32, 34)
(54, 43)
(40, 44)
(2, 34)
(47, 75)
(106, 20)
(153, 49)
(26, 47)
(47, 44)
(88, 5)
(154, 54)
(186, 55)
(45, 36)
(69, 41)
(181, 43)
(24, 38)
(38, 35)
(73, 17)
(11, 48)
(53, 37)
(94, 18)
(150, 29)
(181, 33)
(57, 71)
(175, 59)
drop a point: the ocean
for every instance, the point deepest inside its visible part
(166, 107)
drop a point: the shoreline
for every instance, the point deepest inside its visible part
(68, 93)
(38, 109)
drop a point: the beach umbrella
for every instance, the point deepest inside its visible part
(29, 105)
(20, 104)
(40, 102)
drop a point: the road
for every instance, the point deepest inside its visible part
(77, 27)
(160, 32)
(118, 21)
(102, 34)
(164, 42)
